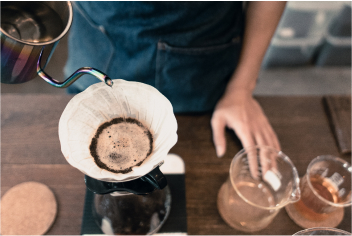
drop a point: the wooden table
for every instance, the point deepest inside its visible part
(30, 151)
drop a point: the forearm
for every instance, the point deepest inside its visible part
(262, 19)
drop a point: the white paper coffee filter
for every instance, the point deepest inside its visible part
(98, 104)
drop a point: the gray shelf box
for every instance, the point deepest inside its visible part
(336, 50)
(300, 33)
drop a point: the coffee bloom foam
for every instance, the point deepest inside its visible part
(98, 104)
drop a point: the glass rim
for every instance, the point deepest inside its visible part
(322, 228)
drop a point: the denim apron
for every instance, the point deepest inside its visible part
(187, 50)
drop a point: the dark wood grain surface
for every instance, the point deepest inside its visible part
(338, 109)
(30, 151)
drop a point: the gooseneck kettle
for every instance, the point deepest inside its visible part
(30, 31)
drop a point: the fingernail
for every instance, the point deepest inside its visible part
(220, 151)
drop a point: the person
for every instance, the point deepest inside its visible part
(203, 56)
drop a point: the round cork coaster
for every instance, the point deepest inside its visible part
(332, 220)
(27, 208)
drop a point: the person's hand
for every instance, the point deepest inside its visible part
(240, 112)
(237, 109)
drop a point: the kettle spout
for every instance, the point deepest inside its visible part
(76, 75)
(108, 81)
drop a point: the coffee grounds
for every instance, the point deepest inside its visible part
(94, 144)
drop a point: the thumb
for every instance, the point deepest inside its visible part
(218, 127)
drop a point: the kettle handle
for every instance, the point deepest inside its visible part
(76, 75)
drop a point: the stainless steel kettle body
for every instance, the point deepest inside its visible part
(30, 32)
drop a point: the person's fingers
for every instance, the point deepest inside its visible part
(246, 118)
(271, 141)
(277, 146)
(263, 154)
(265, 136)
(247, 140)
(219, 139)
(271, 138)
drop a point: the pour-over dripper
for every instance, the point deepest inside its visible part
(99, 104)
(136, 202)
